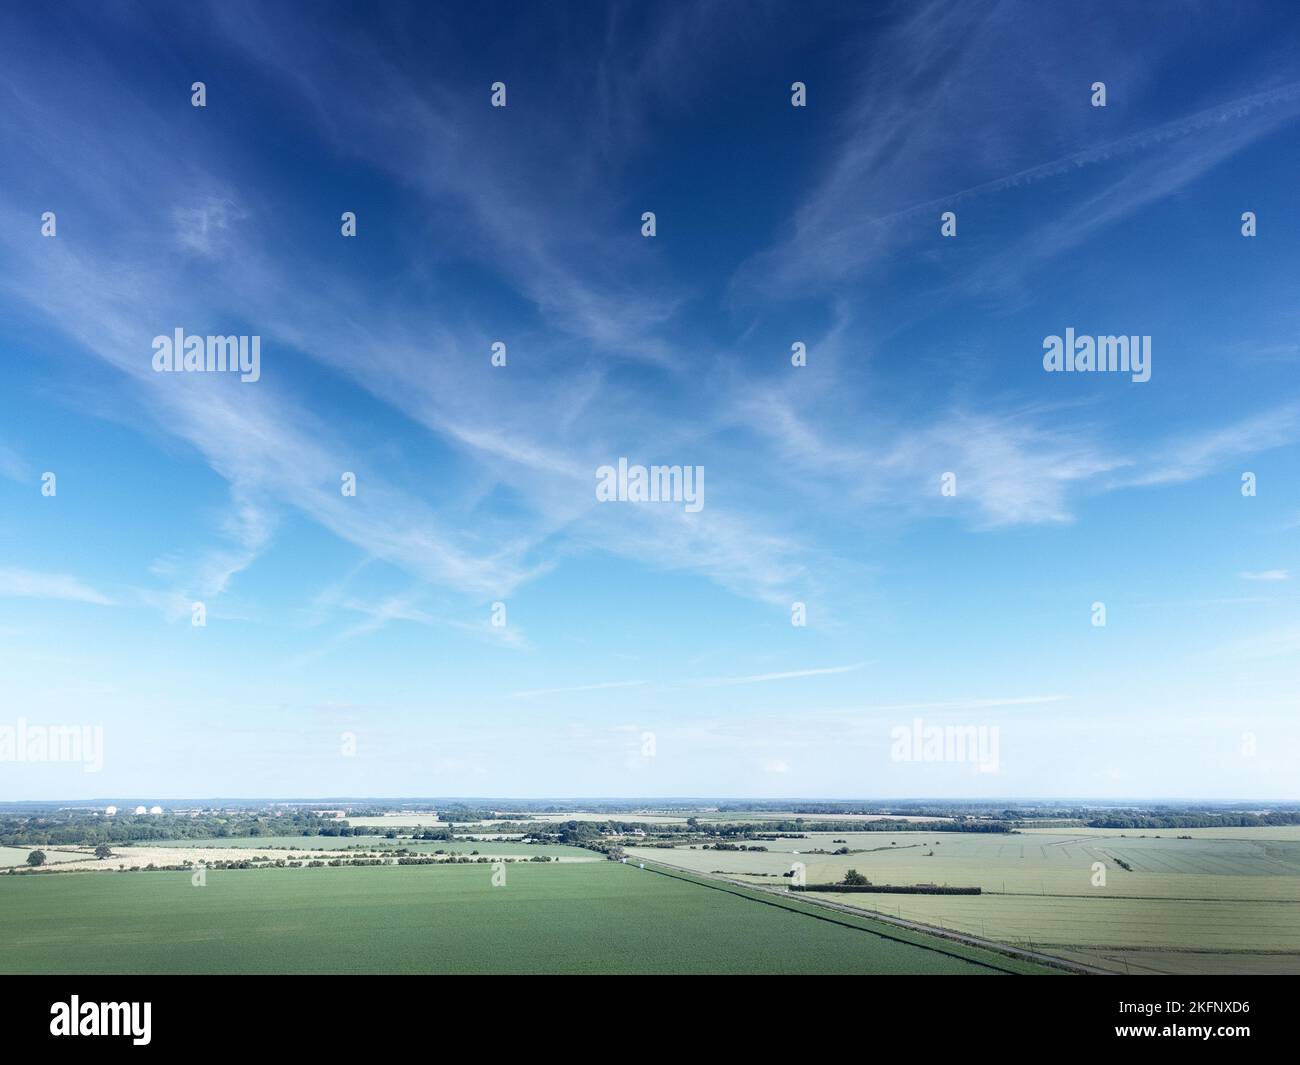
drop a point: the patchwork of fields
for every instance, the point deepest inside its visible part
(1231, 899)
(601, 917)
(429, 819)
(12, 856)
(1169, 901)
(378, 844)
(293, 849)
(1053, 863)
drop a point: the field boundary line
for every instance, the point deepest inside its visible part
(1135, 898)
(779, 900)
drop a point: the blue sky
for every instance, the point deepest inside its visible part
(647, 650)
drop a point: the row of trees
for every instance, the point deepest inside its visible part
(38, 857)
(1195, 820)
(79, 828)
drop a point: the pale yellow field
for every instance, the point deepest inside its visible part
(1223, 895)
(738, 818)
(11, 856)
(644, 818)
(1286, 833)
(137, 857)
(429, 819)
(1035, 864)
(1209, 927)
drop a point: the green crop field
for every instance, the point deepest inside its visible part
(1233, 897)
(503, 848)
(302, 843)
(589, 918)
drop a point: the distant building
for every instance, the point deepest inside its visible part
(111, 811)
(141, 810)
(155, 810)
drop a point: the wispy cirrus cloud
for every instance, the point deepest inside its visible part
(31, 584)
(762, 678)
(956, 64)
(12, 465)
(474, 483)
(581, 688)
(1190, 455)
(971, 704)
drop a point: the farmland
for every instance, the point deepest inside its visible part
(1221, 900)
(1031, 864)
(643, 817)
(602, 917)
(297, 850)
(430, 820)
(377, 844)
(12, 856)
